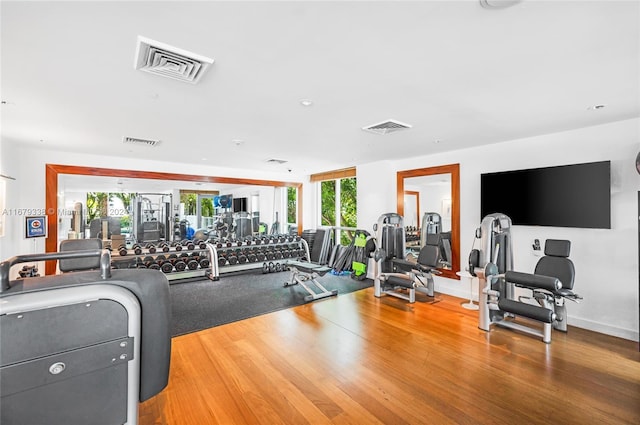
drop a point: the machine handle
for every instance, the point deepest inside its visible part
(5, 266)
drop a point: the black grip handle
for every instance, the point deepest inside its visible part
(5, 266)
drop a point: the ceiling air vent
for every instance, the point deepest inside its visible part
(168, 61)
(276, 161)
(140, 142)
(386, 127)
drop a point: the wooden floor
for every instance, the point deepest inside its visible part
(357, 359)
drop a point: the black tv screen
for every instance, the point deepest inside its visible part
(576, 195)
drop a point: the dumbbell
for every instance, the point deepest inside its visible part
(232, 259)
(122, 250)
(204, 263)
(192, 264)
(166, 267)
(242, 258)
(222, 261)
(265, 268)
(252, 258)
(151, 248)
(164, 247)
(180, 266)
(278, 255)
(278, 267)
(272, 267)
(260, 256)
(154, 266)
(137, 249)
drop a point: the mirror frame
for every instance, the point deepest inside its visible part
(52, 172)
(454, 170)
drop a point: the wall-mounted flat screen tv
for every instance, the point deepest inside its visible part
(577, 195)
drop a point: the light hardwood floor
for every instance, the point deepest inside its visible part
(357, 359)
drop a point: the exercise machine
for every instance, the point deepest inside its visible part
(431, 225)
(394, 275)
(501, 302)
(152, 217)
(85, 346)
(305, 274)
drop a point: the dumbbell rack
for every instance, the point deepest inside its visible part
(269, 254)
(177, 262)
(197, 259)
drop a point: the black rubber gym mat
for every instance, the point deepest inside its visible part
(203, 304)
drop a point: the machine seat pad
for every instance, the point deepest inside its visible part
(306, 267)
(533, 280)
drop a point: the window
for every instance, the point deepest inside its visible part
(338, 202)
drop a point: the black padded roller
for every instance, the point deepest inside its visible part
(533, 280)
(531, 311)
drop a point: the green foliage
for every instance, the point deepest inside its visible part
(97, 205)
(348, 205)
(206, 207)
(190, 201)
(348, 208)
(328, 203)
(292, 205)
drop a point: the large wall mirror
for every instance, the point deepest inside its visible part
(434, 190)
(66, 184)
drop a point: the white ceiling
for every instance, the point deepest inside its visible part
(456, 72)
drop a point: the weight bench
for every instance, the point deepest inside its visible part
(304, 273)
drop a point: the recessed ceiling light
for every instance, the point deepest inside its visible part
(498, 4)
(436, 141)
(238, 142)
(596, 107)
(306, 102)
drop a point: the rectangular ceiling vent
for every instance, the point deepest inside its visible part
(386, 127)
(140, 142)
(168, 61)
(276, 161)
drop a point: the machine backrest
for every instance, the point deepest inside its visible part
(429, 256)
(78, 264)
(556, 263)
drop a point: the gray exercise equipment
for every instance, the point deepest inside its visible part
(305, 274)
(501, 301)
(394, 275)
(82, 347)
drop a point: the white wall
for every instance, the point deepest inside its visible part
(606, 261)
(12, 222)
